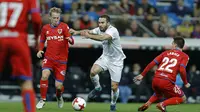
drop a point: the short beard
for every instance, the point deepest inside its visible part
(104, 29)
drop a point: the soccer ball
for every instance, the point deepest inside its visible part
(79, 104)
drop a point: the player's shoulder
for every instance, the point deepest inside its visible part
(184, 54)
(112, 29)
(46, 26)
(64, 25)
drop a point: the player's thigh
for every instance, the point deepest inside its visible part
(60, 72)
(47, 64)
(115, 72)
(20, 60)
(173, 91)
(101, 64)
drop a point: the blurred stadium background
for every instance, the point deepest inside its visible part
(146, 28)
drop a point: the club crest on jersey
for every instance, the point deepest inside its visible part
(63, 72)
(59, 31)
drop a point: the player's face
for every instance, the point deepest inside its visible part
(103, 24)
(55, 18)
(173, 45)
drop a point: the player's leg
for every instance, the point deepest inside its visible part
(59, 73)
(98, 66)
(22, 71)
(174, 94)
(156, 96)
(46, 71)
(171, 91)
(115, 74)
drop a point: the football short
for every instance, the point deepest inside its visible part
(114, 70)
(16, 52)
(166, 88)
(56, 67)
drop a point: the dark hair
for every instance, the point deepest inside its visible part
(179, 41)
(105, 16)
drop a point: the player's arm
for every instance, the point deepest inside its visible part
(68, 36)
(182, 70)
(156, 61)
(78, 32)
(42, 39)
(35, 17)
(96, 37)
(42, 42)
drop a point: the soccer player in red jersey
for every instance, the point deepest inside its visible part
(14, 45)
(170, 63)
(56, 56)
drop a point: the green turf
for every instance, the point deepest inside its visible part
(98, 107)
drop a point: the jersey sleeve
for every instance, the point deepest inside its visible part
(159, 58)
(95, 30)
(182, 69)
(111, 32)
(42, 39)
(184, 61)
(68, 35)
(35, 16)
(34, 6)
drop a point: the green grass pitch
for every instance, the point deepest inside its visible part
(97, 107)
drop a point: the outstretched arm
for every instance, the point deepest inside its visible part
(157, 60)
(76, 32)
(96, 37)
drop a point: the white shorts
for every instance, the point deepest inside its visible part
(114, 70)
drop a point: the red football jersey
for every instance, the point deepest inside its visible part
(57, 44)
(169, 63)
(14, 17)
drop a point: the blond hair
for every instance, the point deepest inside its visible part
(55, 9)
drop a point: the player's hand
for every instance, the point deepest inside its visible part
(39, 54)
(187, 85)
(73, 32)
(137, 78)
(85, 34)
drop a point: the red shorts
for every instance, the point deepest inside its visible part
(16, 52)
(58, 68)
(166, 88)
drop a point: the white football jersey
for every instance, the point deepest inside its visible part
(112, 49)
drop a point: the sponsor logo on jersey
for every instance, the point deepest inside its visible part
(59, 38)
(59, 31)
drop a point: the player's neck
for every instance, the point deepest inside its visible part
(178, 49)
(54, 26)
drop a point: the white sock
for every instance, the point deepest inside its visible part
(114, 96)
(95, 81)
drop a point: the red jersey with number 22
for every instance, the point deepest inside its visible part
(169, 64)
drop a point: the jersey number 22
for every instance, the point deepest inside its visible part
(168, 64)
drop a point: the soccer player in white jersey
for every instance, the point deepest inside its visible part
(111, 59)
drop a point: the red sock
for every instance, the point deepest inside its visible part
(43, 89)
(28, 100)
(59, 92)
(173, 101)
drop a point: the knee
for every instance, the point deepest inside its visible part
(45, 75)
(93, 72)
(58, 86)
(184, 98)
(114, 87)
